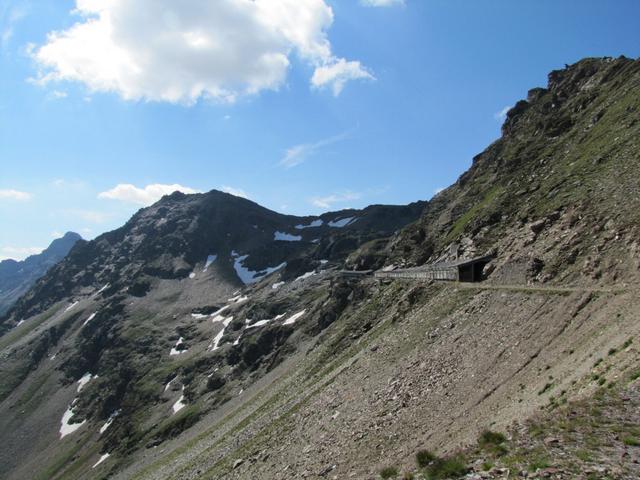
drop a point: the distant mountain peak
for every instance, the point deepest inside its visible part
(17, 277)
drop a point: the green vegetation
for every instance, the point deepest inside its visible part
(631, 441)
(450, 467)
(389, 472)
(539, 462)
(493, 443)
(584, 455)
(424, 458)
(460, 225)
(179, 422)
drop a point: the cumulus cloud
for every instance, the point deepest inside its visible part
(128, 193)
(382, 3)
(336, 74)
(235, 191)
(179, 52)
(330, 200)
(15, 195)
(18, 253)
(299, 153)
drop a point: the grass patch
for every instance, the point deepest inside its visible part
(631, 441)
(424, 458)
(493, 443)
(584, 455)
(389, 472)
(451, 467)
(539, 462)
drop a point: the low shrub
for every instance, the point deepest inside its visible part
(493, 442)
(424, 458)
(451, 467)
(389, 472)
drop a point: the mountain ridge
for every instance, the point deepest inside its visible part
(16, 277)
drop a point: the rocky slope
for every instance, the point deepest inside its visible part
(150, 326)
(244, 367)
(408, 367)
(16, 278)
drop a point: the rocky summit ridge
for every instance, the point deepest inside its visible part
(212, 338)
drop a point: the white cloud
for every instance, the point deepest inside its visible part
(382, 3)
(179, 52)
(299, 153)
(501, 116)
(18, 253)
(15, 195)
(235, 191)
(330, 200)
(126, 192)
(58, 94)
(68, 184)
(337, 73)
(9, 18)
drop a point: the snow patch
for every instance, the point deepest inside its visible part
(249, 276)
(179, 405)
(166, 387)
(216, 340)
(19, 323)
(199, 316)
(109, 421)
(103, 289)
(293, 318)
(306, 275)
(91, 317)
(67, 428)
(343, 222)
(238, 299)
(315, 223)
(210, 260)
(277, 285)
(259, 323)
(192, 275)
(71, 306)
(286, 237)
(175, 350)
(217, 316)
(102, 459)
(86, 378)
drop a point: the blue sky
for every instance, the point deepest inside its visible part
(302, 105)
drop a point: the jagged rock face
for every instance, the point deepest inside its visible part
(169, 239)
(16, 278)
(560, 187)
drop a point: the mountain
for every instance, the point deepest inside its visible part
(16, 278)
(136, 308)
(212, 338)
